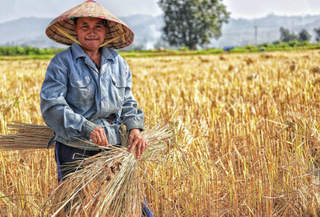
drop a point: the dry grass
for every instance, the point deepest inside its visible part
(249, 132)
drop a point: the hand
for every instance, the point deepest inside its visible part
(137, 140)
(99, 137)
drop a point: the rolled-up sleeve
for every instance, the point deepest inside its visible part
(55, 110)
(130, 115)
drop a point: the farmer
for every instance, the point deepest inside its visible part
(86, 92)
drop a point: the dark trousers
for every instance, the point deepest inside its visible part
(65, 154)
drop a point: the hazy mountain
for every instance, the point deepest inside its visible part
(238, 32)
(241, 32)
(26, 31)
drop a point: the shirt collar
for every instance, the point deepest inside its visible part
(78, 52)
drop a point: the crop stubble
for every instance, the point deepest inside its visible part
(247, 124)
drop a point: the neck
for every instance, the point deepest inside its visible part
(94, 55)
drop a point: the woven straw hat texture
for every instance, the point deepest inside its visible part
(61, 29)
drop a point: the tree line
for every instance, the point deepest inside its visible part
(17, 51)
(302, 36)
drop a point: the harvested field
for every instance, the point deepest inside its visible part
(247, 124)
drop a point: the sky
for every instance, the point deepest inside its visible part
(249, 9)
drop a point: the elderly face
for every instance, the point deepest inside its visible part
(90, 32)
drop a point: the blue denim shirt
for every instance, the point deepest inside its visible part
(76, 97)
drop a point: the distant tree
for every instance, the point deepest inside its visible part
(192, 22)
(304, 35)
(317, 30)
(276, 42)
(286, 35)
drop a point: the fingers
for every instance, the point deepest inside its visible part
(131, 137)
(137, 143)
(133, 144)
(140, 143)
(99, 137)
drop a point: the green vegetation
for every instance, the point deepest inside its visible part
(20, 53)
(23, 51)
(266, 47)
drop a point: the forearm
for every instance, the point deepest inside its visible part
(60, 117)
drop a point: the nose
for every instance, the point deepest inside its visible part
(92, 31)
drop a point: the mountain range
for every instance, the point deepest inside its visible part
(29, 31)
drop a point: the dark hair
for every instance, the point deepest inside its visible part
(104, 22)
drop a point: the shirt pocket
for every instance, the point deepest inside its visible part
(119, 85)
(82, 92)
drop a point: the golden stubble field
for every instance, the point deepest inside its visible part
(248, 126)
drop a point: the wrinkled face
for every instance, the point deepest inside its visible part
(90, 32)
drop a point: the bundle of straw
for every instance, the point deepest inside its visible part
(111, 182)
(25, 136)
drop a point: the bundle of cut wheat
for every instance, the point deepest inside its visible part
(111, 182)
(25, 136)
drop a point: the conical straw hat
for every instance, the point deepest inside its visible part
(61, 29)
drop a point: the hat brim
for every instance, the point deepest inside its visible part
(123, 36)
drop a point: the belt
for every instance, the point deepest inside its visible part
(110, 118)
